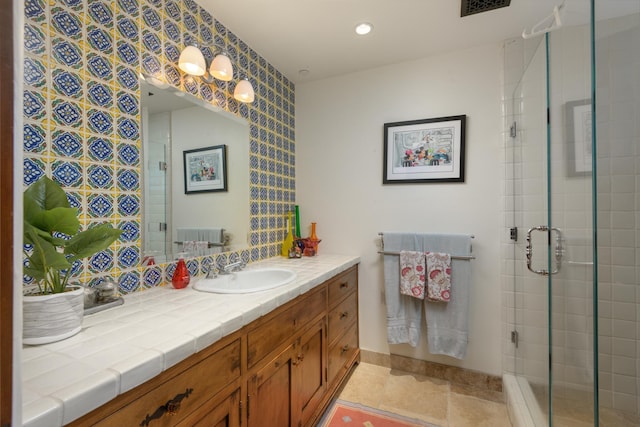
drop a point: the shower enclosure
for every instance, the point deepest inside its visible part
(572, 258)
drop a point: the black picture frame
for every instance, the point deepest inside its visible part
(205, 169)
(424, 151)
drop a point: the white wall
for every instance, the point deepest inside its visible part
(339, 141)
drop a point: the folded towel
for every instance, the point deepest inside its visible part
(404, 313)
(189, 246)
(412, 274)
(184, 234)
(212, 235)
(448, 324)
(202, 247)
(438, 276)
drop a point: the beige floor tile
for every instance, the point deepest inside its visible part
(467, 411)
(416, 396)
(366, 385)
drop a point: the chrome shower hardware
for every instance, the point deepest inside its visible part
(558, 252)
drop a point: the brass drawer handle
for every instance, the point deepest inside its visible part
(171, 407)
(345, 348)
(344, 314)
(344, 285)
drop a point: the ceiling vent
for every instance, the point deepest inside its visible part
(470, 7)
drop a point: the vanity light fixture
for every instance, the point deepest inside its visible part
(363, 28)
(244, 91)
(192, 62)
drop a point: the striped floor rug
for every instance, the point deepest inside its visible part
(348, 414)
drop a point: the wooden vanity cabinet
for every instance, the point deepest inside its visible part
(199, 385)
(279, 371)
(287, 389)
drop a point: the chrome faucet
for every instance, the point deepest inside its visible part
(212, 272)
(234, 266)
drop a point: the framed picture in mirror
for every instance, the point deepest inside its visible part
(205, 169)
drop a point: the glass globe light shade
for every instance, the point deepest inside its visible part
(192, 61)
(244, 91)
(221, 68)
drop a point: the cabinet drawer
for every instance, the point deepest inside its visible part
(276, 330)
(342, 351)
(342, 285)
(342, 316)
(191, 388)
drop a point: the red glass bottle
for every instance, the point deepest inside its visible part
(180, 277)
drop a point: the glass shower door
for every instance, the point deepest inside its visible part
(529, 181)
(553, 212)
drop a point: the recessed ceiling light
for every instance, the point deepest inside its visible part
(363, 28)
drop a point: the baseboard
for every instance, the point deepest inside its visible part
(463, 381)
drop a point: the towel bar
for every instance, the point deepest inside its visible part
(383, 252)
(210, 244)
(469, 257)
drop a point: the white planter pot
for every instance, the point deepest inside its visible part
(53, 317)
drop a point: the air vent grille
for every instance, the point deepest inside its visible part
(470, 7)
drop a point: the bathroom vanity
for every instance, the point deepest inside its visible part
(277, 361)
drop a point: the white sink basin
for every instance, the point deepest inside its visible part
(246, 281)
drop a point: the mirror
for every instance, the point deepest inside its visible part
(198, 223)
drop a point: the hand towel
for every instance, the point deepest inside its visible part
(438, 267)
(412, 273)
(186, 233)
(404, 313)
(212, 235)
(202, 247)
(189, 246)
(448, 324)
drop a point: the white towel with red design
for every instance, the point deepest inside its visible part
(438, 266)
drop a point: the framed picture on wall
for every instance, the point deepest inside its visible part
(205, 169)
(424, 151)
(578, 123)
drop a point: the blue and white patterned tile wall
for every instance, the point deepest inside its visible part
(82, 119)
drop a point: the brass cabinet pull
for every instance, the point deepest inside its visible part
(345, 348)
(344, 314)
(344, 285)
(171, 407)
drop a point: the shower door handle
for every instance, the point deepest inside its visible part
(559, 250)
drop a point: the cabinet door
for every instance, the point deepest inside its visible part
(309, 371)
(269, 392)
(216, 413)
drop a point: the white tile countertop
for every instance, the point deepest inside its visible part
(122, 347)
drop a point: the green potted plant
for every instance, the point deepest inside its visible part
(54, 310)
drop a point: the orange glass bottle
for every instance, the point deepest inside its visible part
(314, 238)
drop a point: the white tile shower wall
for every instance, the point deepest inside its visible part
(618, 137)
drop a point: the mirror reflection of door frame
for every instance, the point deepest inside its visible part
(6, 217)
(162, 242)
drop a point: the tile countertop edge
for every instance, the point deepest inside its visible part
(312, 271)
